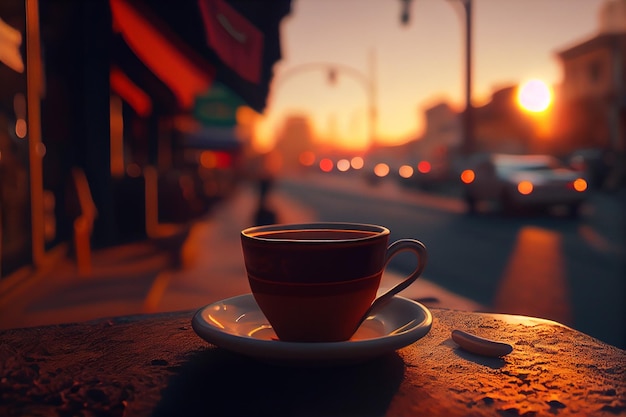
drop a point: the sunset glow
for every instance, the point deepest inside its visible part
(402, 64)
(534, 96)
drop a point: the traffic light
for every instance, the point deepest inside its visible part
(332, 76)
(405, 14)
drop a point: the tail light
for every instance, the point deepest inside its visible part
(525, 187)
(579, 185)
(468, 176)
(424, 167)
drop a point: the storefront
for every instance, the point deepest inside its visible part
(62, 109)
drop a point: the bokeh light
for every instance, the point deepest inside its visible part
(381, 169)
(326, 165)
(468, 176)
(424, 167)
(580, 185)
(343, 165)
(525, 187)
(406, 171)
(357, 162)
(307, 158)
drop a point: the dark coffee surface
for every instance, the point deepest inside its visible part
(314, 255)
(315, 234)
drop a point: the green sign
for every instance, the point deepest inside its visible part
(218, 107)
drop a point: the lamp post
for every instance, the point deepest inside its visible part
(468, 144)
(366, 81)
(34, 91)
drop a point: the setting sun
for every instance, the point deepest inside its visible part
(534, 96)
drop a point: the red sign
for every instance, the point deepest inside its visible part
(237, 42)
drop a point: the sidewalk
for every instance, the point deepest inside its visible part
(139, 278)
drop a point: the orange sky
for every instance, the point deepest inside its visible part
(410, 67)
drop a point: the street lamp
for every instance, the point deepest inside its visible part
(468, 119)
(333, 70)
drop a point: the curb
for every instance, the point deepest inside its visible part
(25, 277)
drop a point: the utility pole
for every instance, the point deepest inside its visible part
(35, 146)
(468, 142)
(468, 114)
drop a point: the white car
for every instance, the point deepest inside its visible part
(523, 181)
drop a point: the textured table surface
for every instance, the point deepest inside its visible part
(156, 365)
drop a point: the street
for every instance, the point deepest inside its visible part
(568, 270)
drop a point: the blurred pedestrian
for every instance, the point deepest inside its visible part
(264, 214)
(265, 177)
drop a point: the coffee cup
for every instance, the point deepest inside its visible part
(316, 282)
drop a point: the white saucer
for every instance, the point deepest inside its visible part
(237, 324)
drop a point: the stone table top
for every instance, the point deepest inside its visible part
(155, 365)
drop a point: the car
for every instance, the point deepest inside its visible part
(424, 174)
(518, 182)
(594, 163)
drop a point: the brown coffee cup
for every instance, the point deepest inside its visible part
(315, 282)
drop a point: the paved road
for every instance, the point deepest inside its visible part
(571, 271)
(139, 277)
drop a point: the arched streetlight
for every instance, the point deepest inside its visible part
(333, 70)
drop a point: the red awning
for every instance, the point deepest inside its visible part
(189, 44)
(237, 42)
(186, 77)
(130, 92)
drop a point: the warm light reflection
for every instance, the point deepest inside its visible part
(405, 171)
(534, 282)
(215, 321)
(21, 128)
(381, 169)
(343, 165)
(357, 162)
(525, 187)
(468, 176)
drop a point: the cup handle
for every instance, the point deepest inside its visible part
(406, 245)
(402, 245)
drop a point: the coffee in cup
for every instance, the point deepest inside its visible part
(315, 282)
